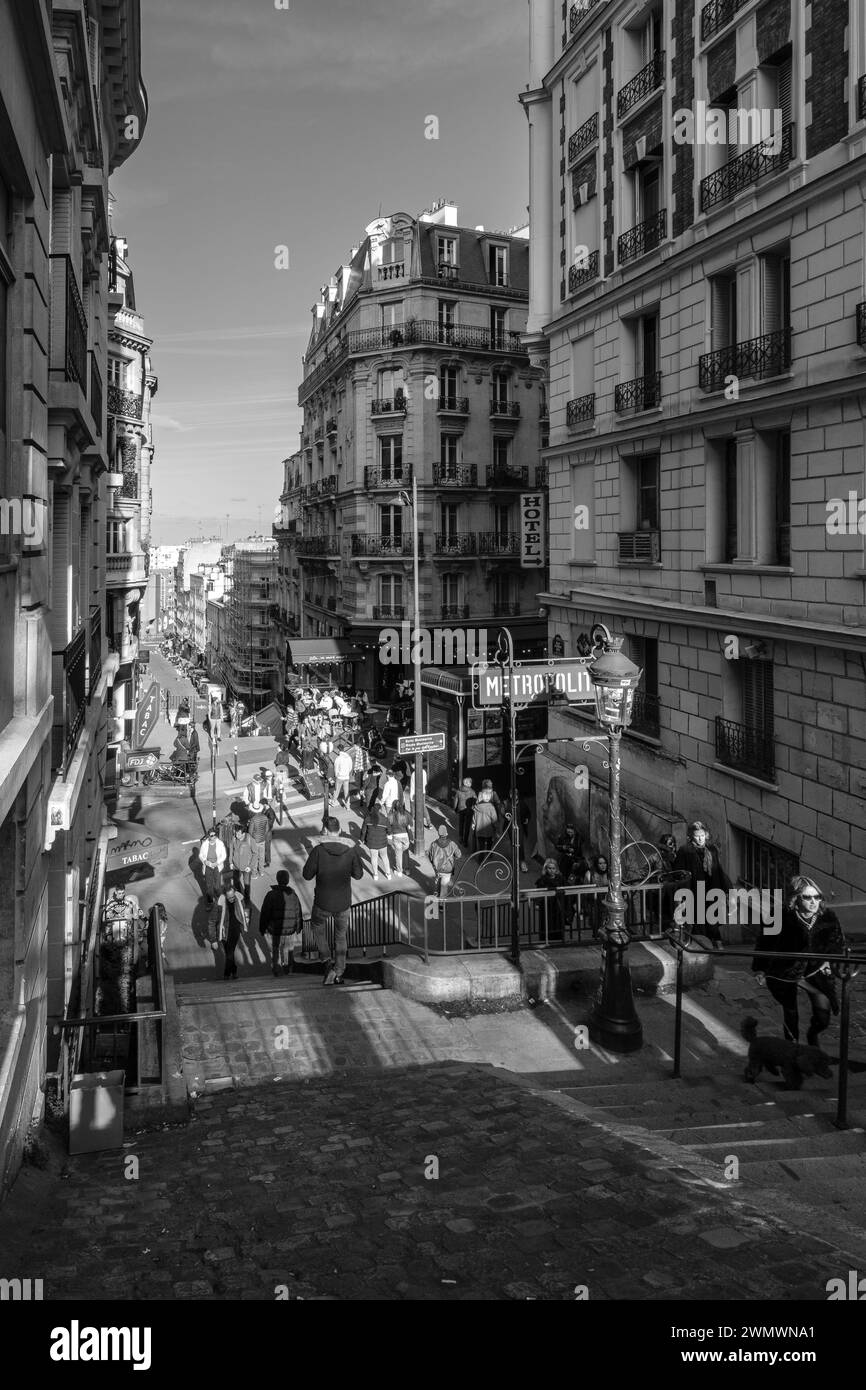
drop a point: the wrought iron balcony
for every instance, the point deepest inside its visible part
(319, 434)
(331, 426)
(643, 393)
(391, 613)
(455, 475)
(395, 271)
(583, 138)
(500, 409)
(453, 405)
(543, 414)
(126, 404)
(717, 14)
(506, 610)
(578, 13)
(580, 410)
(769, 355)
(329, 485)
(541, 475)
(498, 543)
(746, 748)
(454, 543)
(579, 275)
(646, 236)
(747, 168)
(129, 491)
(395, 405)
(446, 271)
(645, 714)
(97, 397)
(397, 547)
(861, 99)
(455, 612)
(646, 81)
(639, 547)
(507, 477)
(317, 545)
(69, 332)
(94, 659)
(388, 478)
(69, 687)
(861, 324)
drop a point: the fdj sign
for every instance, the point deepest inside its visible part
(533, 683)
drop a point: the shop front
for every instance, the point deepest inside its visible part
(477, 742)
(322, 661)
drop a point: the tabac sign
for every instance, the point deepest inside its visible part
(533, 683)
(532, 536)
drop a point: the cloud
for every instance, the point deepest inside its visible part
(168, 422)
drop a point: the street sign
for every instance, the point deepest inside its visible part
(421, 743)
(146, 849)
(146, 715)
(138, 762)
(533, 682)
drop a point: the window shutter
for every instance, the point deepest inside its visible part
(61, 222)
(720, 312)
(730, 501)
(758, 697)
(783, 95)
(771, 294)
(783, 500)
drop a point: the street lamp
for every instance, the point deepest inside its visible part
(420, 810)
(614, 1022)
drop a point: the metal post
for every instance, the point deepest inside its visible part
(420, 807)
(678, 1018)
(841, 1121)
(236, 762)
(614, 1022)
(213, 763)
(508, 677)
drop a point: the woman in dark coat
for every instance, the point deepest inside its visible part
(807, 925)
(700, 860)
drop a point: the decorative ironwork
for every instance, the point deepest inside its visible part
(64, 291)
(331, 426)
(392, 613)
(124, 403)
(861, 324)
(640, 86)
(454, 612)
(717, 14)
(639, 547)
(329, 485)
(541, 475)
(646, 236)
(746, 748)
(94, 665)
(504, 409)
(643, 393)
(454, 405)
(861, 99)
(130, 485)
(317, 545)
(454, 543)
(70, 694)
(498, 543)
(582, 138)
(578, 13)
(769, 355)
(483, 875)
(580, 410)
(455, 475)
(506, 610)
(747, 168)
(365, 545)
(503, 476)
(97, 398)
(389, 405)
(395, 477)
(579, 275)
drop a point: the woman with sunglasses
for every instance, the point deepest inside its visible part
(807, 925)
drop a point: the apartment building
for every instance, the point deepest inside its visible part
(72, 109)
(698, 278)
(416, 370)
(249, 667)
(192, 559)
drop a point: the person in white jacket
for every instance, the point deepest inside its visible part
(344, 766)
(212, 857)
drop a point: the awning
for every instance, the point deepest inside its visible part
(321, 651)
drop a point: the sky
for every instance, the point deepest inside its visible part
(292, 127)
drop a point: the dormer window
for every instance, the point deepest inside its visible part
(446, 257)
(497, 265)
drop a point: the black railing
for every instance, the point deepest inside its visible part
(454, 543)
(645, 713)
(498, 543)
(639, 547)
(125, 403)
(395, 477)
(640, 86)
(390, 613)
(455, 612)
(94, 661)
(541, 475)
(97, 399)
(745, 748)
(581, 409)
(506, 610)
(646, 236)
(769, 355)
(643, 393)
(717, 14)
(70, 698)
(505, 409)
(455, 475)
(317, 545)
(454, 405)
(861, 99)
(501, 476)
(388, 405)
(579, 275)
(578, 13)
(384, 545)
(583, 137)
(861, 324)
(64, 291)
(747, 168)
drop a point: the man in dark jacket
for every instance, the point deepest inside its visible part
(700, 860)
(280, 916)
(333, 864)
(806, 926)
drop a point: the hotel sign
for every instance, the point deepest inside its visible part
(533, 683)
(532, 536)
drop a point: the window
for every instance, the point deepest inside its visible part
(730, 501)
(764, 865)
(723, 310)
(116, 538)
(391, 522)
(499, 391)
(446, 319)
(391, 384)
(391, 457)
(501, 452)
(646, 345)
(503, 593)
(756, 693)
(118, 373)
(647, 497)
(501, 518)
(448, 386)
(392, 318)
(775, 271)
(448, 527)
(782, 530)
(644, 652)
(446, 254)
(449, 453)
(392, 252)
(497, 265)
(390, 592)
(647, 192)
(450, 590)
(497, 328)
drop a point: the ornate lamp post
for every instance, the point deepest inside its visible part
(614, 1022)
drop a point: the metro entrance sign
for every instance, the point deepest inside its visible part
(421, 743)
(533, 682)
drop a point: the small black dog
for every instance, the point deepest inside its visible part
(794, 1060)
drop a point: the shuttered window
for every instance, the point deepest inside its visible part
(757, 690)
(723, 311)
(775, 292)
(783, 499)
(391, 456)
(730, 495)
(783, 90)
(647, 479)
(647, 345)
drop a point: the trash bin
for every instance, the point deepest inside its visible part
(96, 1112)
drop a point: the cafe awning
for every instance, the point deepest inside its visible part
(321, 651)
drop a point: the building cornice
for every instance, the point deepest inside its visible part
(35, 28)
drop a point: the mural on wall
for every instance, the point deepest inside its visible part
(560, 803)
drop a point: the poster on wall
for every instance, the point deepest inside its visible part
(493, 750)
(475, 752)
(493, 721)
(474, 722)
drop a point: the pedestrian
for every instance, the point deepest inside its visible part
(242, 860)
(212, 857)
(259, 830)
(423, 795)
(568, 849)
(598, 878)
(281, 919)
(807, 925)
(376, 831)
(552, 881)
(484, 821)
(701, 861)
(333, 864)
(194, 745)
(487, 786)
(445, 854)
(390, 792)
(360, 764)
(254, 790)
(464, 802)
(232, 921)
(398, 829)
(344, 766)
(271, 818)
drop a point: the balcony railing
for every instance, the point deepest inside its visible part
(398, 546)
(747, 168)
(578, 13)
(583, 138)
(579, 275)
(500, 409)
(329, 485)
(643, 393)
(392, 613)
(861, 99)
(446, 271)
(645, 713)
(395, 405)
(70, 698)
(506, 610)
(507, 477)
(580, 410)
(94, 662)
(454, 612)
(331, 426)
(454, 543)
(541, 475)
(646, 236)
(746, 748)
(68, 323)
(454, 405)
(769, 355)
(128, 564)
(498, 543)
(639, 547)
(717, 14)
(455, 475)
(317, 545)
(319, 434)
(646, 81)
(390, 478)
(395, 271)
(97, 398)
(124, 403)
